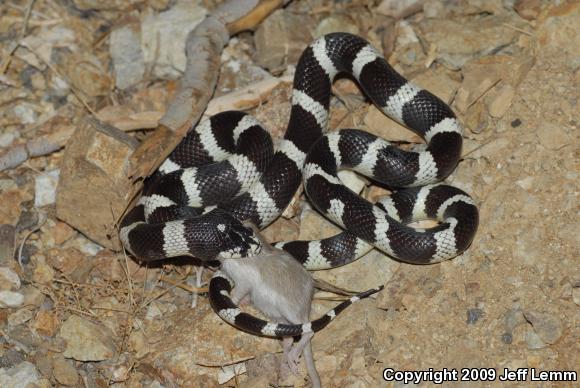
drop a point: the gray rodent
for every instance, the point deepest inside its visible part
(281, 288)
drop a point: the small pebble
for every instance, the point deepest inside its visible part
(576, 295)
(19, 376)
(45, 188)
(516, 123)
(87, 341)
(533, 340)
(7, 234)
(513, 318)
(507, 338)
(473, 315)
(10, 299)
(20, 316)
(64, 372)
(9, 280)
(547, 326)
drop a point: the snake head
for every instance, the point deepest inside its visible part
(238, 240)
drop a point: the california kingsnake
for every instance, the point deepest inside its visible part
(167, 221)
(225, 171)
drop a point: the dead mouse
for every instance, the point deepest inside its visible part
(281, 288)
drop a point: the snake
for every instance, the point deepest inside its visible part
(228, 170)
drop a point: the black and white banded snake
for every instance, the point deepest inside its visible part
(226, 170)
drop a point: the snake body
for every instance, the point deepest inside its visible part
(226, 170)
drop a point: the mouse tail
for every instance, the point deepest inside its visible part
(220, 287)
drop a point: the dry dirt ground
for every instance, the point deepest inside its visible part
(74, 312)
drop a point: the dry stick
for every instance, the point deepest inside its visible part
(518, 29)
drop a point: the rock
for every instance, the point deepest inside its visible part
(476, 117)
(408, 51)
(62, 232)
(45, 188)
(46, 323)
(9, 280)
(314, 226)
(473, 315)
(281, 38)
(438, 82)
(526, 183)
(139, 344)
(507, 338)
(66, 260)
(63, 371)
(12, 194)
(482, 74)
(43, 273)
(10, 299)
(377, 123)
(369, 271)
(22, 375)
(43, 362)
(6, 139)
(158, 309)
(458, 41)
(96, 156)
(20, 316)
(163, 37)
(88, 75)
(281, 230)
(228, 372)
(553, 135)
(528, 9)
(7, 236)
(32, 296)
(576, 293)
(533, 340)
(86, 341)
(183, 341)
(500, 100)
(336, 23)
(352, 180)
(127, 55)
(399, 8)
(25, 113)
(547, 326)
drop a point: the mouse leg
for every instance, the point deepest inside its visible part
(296, 351)
(286, 346)
(240, 295)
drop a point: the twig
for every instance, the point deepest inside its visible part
(129, 279)
(35, 229)
(518, 29)
(219, 365)
(26, 19)
(482, 94)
